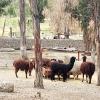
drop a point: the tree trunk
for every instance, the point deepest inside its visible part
(66, 33)
(93, 53)
(10, 33)
(4, 27)
(86, 40)
(22, 25)
(97, 30)
(98, 49)
(98, 63)
(38, 83)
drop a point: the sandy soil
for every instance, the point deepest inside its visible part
(53, 90)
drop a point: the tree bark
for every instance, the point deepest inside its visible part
(98, 51)
(22, 25)
(66, 33)
(86, 40)
(38, 83)
(97, 31)
(4, 27)
(98, 63)
(10, 33)
(93, 53)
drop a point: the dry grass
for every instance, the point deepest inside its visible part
(53, 90)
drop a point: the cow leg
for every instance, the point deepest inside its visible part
(68, 76)
(90, 77)
(16, 71)
(77, 76)
(59, 76)
(64, 77)
(29, 73)
(52, 76)
(86, 78)
(26, 72)
(83, 78)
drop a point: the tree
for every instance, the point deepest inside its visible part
(97, 30)
(38, 83)
(83, 13)
(94, 6)
(40, 6)
(22, 25)
(3, 4)
(58, 17)
(11, 10)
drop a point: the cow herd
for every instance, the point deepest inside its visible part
(52, 67)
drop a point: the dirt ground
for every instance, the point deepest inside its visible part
(53, 90)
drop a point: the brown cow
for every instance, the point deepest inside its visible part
(23, 65)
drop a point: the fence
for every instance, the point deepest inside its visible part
(45, 43)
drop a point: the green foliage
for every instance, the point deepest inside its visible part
(11, 10)
(3, 4)
(83, 13)
(11, 7)
(27, 10)
(41, 5)
(75, 13)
